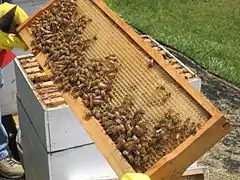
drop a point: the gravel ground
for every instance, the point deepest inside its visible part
(223, 160)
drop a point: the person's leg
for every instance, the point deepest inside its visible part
(3, 140)
(9, 167)
(1, 78)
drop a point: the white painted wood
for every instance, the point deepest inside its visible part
(83, 163)
(79, 163)
(32, 106)
(36, 161)
(65, 130)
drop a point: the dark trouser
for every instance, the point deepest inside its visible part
(9, 1)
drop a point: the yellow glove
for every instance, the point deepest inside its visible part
(135, 176)
(10, 41)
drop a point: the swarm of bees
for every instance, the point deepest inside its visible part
(58, 33)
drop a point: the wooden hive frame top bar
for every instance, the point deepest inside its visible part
(173, 164)
(43, 88)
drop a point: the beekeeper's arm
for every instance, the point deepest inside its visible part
(10, 41)
(135, 176)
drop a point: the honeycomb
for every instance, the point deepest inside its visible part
(135, 78)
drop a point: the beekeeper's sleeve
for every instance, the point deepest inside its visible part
(135, 176)
(10, 41)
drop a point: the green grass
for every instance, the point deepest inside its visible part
(207, 31)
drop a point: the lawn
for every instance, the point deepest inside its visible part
(207, 31)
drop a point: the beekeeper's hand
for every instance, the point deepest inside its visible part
(10, 41)
(135, 176)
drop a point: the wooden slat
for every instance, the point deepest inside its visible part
(33, 70)
(39, 76)
(54, 101)
(47, 90)
(51, 95)
(27, 60)
(30, 65)
(44, 84)
(25, 57)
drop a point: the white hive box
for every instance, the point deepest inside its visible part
(55, 145)
(78, 163)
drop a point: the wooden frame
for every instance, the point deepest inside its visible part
(172, 165)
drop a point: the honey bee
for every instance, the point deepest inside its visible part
(128, 126)
(109, 125)
(67, 88)
(91, 105)
(187, 121)
(73, 79)
(125, 153)
(130, 159)
(135, 139)
(166, 97)
(121, 128)
(120, 143)
(151, 150)
(130, 146)
(150, 63)
(145, 145)
(57, 79)
(143, 151)
(193, 128)
(75, 95)
(72, 71)
(138, 131)
(137, 161)
(74, 90)
(65, 80)
(169, 114)
(146, 158)
(88, 115)
(86, 102)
